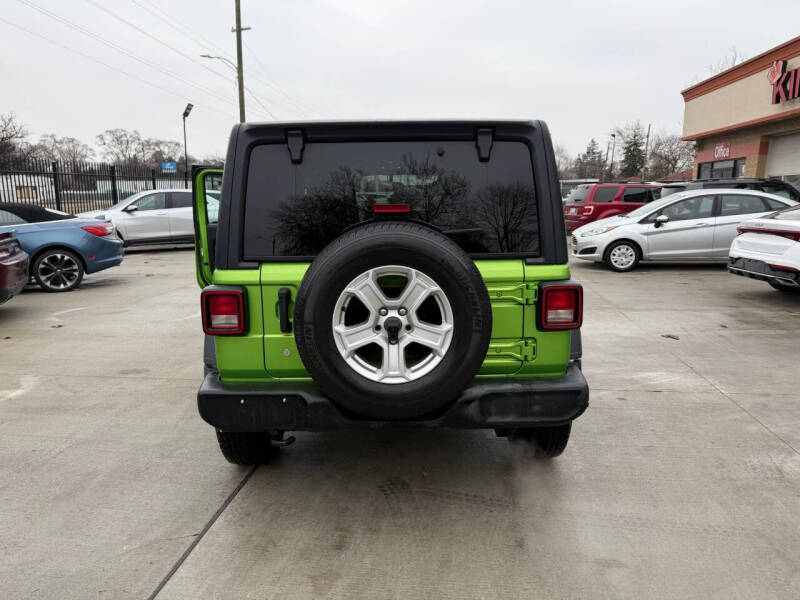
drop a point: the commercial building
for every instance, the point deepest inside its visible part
(746, 120)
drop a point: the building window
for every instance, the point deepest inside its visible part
(733, 167)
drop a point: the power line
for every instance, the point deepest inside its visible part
(155, 39)
(299, 103)
(175, 23)
(100, 62)
(257, 99)
(123, 50)
(204, 42)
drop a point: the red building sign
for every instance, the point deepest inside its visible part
(722, 151)
(785, 84)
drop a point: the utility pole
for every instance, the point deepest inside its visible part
(613, 149)
(239, 66)
(646, 146)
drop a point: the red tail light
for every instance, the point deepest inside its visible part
(587, 210)
(561, 307)
(391, 208)
(792, 235)
(223, 312)
(101, 230)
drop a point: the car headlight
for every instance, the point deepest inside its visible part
(598, 231)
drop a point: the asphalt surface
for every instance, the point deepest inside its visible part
(682, 480)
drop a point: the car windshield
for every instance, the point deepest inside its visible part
(122, 203)
(654, 206)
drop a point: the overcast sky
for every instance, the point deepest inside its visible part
(584, 67)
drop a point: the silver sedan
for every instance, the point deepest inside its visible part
(696, 225)
(152, 217)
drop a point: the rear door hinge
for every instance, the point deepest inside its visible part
(522, 350)
(524, 293)
(294, 140)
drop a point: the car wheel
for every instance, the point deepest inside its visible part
(58, 270)
(392, 320)
(789, 289)
(246, 448)
(622, 256)
(543, 442)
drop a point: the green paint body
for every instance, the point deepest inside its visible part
(517, 348)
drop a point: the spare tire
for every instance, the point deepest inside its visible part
(392, 320)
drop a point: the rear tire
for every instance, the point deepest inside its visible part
(787, 289)
(246, 448)
(622, 256)
(543, 442)
(57, 270)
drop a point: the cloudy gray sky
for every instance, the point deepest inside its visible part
(582, 66)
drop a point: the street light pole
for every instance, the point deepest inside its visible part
(239, 66)
(186, 112)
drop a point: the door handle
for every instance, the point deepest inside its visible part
(701, 224)
(284, 295)
(161, 213)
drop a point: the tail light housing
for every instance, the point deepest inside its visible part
(99, 229)
(791, 235)
(587, 210)
(560, 306)
(223, 311)
(9, 248)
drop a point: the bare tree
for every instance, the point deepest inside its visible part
(669, 154)
(730, 60)
(121, 146)
(510, 216)
(12, 134)
(67, 149)
(565, 164)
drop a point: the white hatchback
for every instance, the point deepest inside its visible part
(769, 249)
(152, 217)
(696, 225)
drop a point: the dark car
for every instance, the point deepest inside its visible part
(62, 247)
(588, 203)
(771, 186)
(13, 267)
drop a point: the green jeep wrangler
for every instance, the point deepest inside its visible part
(386, 274)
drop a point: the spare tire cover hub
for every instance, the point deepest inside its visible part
(392, 325)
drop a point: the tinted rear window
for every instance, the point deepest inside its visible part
(605, 194)
(295, 210)
(579, 194)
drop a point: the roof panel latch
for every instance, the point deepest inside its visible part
(294, 140)
(484, 142)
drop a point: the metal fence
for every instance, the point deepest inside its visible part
(75, 187)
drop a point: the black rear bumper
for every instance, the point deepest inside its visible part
(486, 404)
(757, 269)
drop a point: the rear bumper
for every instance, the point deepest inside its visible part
(487, 404)
(106, 252)
(758, 269)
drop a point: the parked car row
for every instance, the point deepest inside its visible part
(756, 233)
(55, 249)
(58, 248)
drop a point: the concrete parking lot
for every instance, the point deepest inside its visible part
(682, 480)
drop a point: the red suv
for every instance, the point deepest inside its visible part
(590, 202)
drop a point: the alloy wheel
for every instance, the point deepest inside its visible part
(392, 324)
